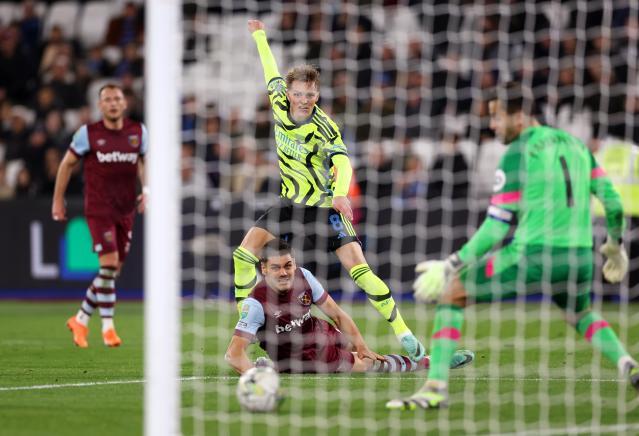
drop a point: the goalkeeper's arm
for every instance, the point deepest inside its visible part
(269, 64)
(493, 229)
(601, 186)
(616, 265)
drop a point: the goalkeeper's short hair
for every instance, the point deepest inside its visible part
(514, 97)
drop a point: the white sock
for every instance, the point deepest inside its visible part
(83, 318)
(624, 364)
(107, 323)
(435, 384)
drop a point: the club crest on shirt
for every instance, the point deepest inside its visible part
(108, 236)
(134, 141)
(500, 180)
(305, 299)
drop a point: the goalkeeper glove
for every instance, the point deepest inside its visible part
(435, 277)
(616, 265)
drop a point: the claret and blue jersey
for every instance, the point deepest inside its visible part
(110, 165)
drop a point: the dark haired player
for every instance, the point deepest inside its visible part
(113, 153)
(278, 315)
(543, 183)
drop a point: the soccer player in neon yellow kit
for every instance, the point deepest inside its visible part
(315, 176)
(543, 183)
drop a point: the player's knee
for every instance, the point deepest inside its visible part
(573, 317)
(255, 239)
(455, 294)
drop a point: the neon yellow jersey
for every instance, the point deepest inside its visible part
(304, 149)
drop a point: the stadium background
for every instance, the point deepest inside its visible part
(405, 80)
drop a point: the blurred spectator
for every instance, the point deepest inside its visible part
(45, 102)
(55, 130)
(412, 182)
(30, 28)
(17, 134)
(52, 159)
(96, 64)
(6, 191)
(375, 175)
(33, 153)
(54, 47)
(62, 81)
(131, 62)
(448, 177)
(17, 68)
(125, 28)
(135, 107)
(24, 187)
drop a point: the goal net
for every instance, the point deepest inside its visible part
(407, 83)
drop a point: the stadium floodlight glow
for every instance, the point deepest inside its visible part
(162, 220)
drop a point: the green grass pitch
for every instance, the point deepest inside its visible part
(532, 386)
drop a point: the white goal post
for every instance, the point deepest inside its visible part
(162, 266)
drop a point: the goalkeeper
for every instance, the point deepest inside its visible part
(543, 183)
(278, 315)
(315, 177)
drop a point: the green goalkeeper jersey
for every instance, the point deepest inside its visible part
(306, 149)
(543, 184)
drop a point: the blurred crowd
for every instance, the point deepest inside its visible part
(406, 81)
(48, 89)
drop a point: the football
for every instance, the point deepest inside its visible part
(258, 389)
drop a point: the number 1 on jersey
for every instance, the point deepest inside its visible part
(569, 199)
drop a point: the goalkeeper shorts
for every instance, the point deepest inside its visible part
(563, 273)
(322, 227)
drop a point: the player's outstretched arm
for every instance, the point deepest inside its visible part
(236, 356)
(256, 27)
(58, 208)
(347, 326)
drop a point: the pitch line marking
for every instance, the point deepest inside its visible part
(288, 377)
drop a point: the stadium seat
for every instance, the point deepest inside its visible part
(8, 12)
(65, 14)
(94, 22)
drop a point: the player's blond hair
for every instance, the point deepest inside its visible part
(303, 73)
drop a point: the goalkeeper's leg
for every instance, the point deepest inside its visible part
(596, 330)
(245, 258)
(352, 258)
(449, 318)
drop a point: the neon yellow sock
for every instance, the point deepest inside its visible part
(245, 275)
(380, 297)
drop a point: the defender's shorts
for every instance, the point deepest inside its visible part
(330, 353)
(563, 273)
(286, 220)
(111, 234)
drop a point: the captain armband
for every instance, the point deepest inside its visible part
(500, 214)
